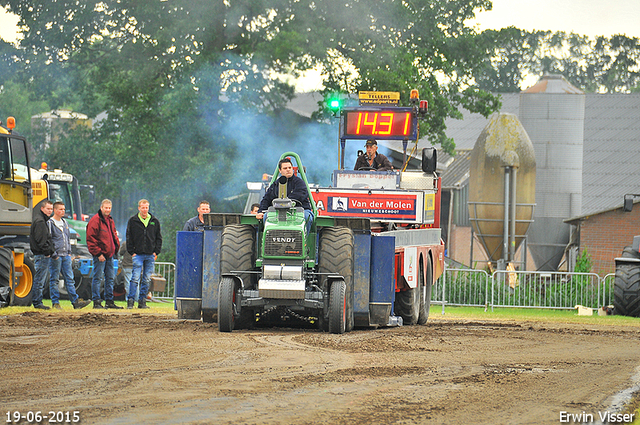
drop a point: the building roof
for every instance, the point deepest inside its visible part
(67, 114)
(611, 156)
(611, 150)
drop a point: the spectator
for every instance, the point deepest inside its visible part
(61, 259)
(197, 222)
(144, 243)
(103, 244)
(255, 208)
(41, 244)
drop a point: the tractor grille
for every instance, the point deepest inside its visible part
(283, 243)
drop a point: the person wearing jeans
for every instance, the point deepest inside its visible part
(143, 266)
(41, 244)
(61, 259)
(41, 264)
(103, 244)
(144, 243)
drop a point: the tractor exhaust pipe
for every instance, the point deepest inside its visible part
(282, 204)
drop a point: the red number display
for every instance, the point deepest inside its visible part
(379, 123)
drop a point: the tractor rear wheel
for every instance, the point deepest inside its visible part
(338, 307)
(227, 298)
(335, 254)
(626, 293)
(425, 294)
(237, 253)
(407, 305)
(22, 292)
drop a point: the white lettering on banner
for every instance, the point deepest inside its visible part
(393, 205)
(320, 205)
(400, 205)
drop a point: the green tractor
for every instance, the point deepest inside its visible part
(287, 266)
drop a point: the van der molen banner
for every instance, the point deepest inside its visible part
(406, 207)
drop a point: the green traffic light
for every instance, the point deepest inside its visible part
(334, 104)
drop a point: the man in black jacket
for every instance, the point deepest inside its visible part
(144, 242)
(41, 244)
(296, 190)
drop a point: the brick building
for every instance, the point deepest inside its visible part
(604, 234)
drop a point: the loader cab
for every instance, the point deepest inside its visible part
(15, 184)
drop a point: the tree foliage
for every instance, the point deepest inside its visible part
(600, 65)
(181, 92)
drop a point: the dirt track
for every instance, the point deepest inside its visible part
(132, 368)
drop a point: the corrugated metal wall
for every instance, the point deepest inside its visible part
(552, 112)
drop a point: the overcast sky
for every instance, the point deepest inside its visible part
(586, 17)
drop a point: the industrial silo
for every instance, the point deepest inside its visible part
(552, 112)
(502, 179)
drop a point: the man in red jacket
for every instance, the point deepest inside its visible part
(103, 244)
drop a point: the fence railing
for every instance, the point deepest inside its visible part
(168, 271)
(525, 289)
(476, 288)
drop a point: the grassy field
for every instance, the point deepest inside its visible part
(154, 307)
(529, 314)
(466, 313)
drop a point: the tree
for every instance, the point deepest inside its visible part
(606, 65)
(179, 85)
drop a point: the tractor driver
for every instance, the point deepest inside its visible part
(296, 190)
(372, 160)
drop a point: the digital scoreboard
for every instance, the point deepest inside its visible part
(379, 123)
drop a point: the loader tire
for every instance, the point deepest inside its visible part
(6, 274)
(338, 307)
(237, 253)
(626, 292)
(335, 254)
(22, 292)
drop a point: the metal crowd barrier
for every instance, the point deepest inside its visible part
(523, 289)
(461, 287)
(476, 288)
(167, 271)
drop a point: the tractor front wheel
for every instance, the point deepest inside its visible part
(338, 307)
(227, 304)
(335, 254)
(237, 255)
